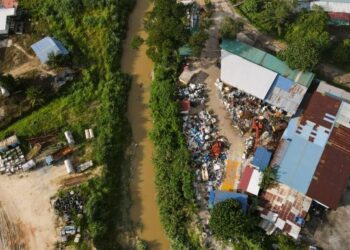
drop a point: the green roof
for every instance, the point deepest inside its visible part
(185, 51)
(268, 61)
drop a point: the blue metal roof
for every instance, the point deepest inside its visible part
(300, 157)
(219, 196)
(283, 83)
(261, 158)
(47, 46)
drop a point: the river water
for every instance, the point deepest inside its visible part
(144, 211)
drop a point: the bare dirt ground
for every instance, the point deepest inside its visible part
(16, 61)
(27, 220)
(334, 232)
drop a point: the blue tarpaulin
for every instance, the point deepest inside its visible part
(261, 158)
(47, 46)
(219, 196)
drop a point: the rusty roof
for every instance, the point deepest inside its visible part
(317, 108)
(332, 173)
(8, 3)
(289, 205)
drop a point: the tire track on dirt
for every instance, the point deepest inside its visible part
(11, 236)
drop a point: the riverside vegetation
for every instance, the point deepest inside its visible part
(93, 32)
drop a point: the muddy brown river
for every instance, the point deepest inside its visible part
(144, 211)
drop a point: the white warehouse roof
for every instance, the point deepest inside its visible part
(4, 13)
(333, 6)
(245, 75)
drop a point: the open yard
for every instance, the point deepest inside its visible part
(27, 220)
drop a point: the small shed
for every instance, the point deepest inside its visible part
(250, 181)
(261, 158)
(47, 46)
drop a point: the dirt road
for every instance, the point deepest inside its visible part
(27, 220)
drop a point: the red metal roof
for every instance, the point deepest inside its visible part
(318, 106)
(332, 173)
(244, 182)
(339, 16)
(8, 3)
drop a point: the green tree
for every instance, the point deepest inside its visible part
(269, 178)
(34, 96)
(229, 28)
(307, 40)
(275, 15)
(166, 29)
(228, 222)
(197, 42)
(301, 55)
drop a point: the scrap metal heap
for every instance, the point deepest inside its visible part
(68, 206)
(208, 150)
(263, 123)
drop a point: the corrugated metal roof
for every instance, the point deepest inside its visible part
(333, 6)
(250, 181)
(244, 182)
(338, 93)
(245, 75)
(304, 141)
(343, 116)
(268, 61)
(287, 100)
(332, 173)
(289, 207)
(261, 158)
(339, 16)
(46, 46)
(299, 163)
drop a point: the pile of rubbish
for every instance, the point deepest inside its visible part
(208, 149)
(194, 93)
(12, 160)
(250, 115)
(68, 206)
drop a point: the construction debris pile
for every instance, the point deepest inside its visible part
(70, 206)
(194, 93)
(207, 148)
(251, 116)
(11, 160)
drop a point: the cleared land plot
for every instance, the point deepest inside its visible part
(27, 219)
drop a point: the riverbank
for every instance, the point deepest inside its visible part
(144, 210)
